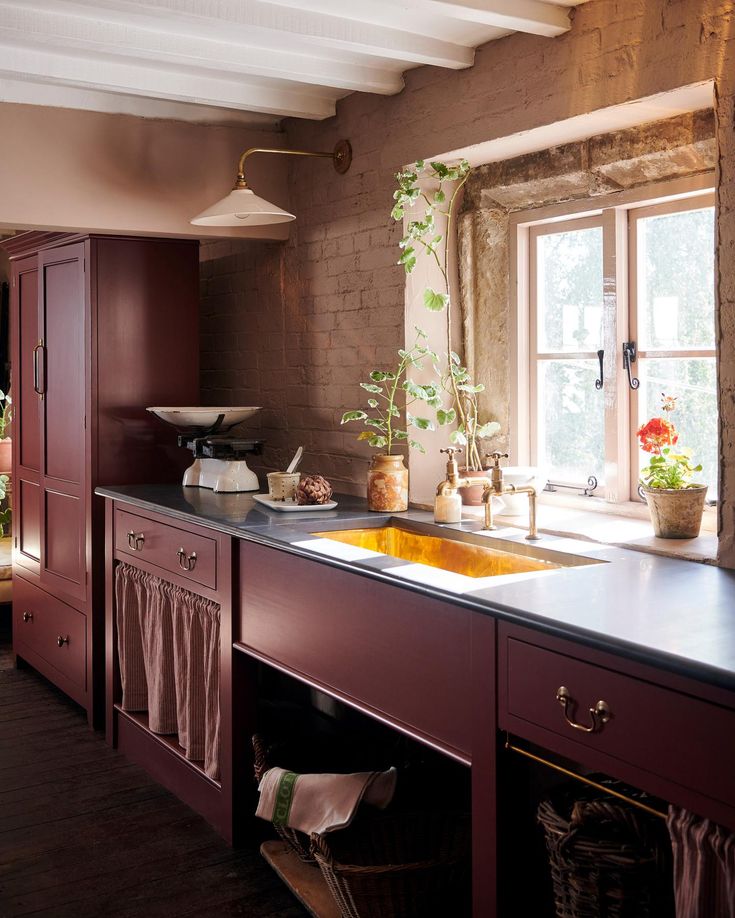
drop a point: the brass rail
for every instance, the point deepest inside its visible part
(577, 777)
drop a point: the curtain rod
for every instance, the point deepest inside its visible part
(588, 781)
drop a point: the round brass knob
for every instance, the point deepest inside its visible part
(28, 616)
(62, 640)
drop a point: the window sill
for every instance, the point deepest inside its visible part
(628, 528)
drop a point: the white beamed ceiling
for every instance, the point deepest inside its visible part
(246, 61)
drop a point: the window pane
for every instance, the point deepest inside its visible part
(569, 291)
(676, 299)
(571, 423)
(693, 382)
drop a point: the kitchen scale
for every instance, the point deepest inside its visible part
(219, 460)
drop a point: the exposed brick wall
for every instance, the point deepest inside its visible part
(341, 294)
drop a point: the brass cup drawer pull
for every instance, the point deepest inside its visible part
(187, 562)
(60, 640)
(600, 713)
(28, 616)
(136, 540)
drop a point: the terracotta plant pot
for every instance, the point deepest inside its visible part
(6, 461)
(676, 514)
(387, 484)
(472, 496)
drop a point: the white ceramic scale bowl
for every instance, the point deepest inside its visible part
(203, 418)
(221, 475)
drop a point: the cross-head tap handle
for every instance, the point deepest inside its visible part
(496, 457)
(451, 450)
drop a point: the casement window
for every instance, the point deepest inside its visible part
(616, 307)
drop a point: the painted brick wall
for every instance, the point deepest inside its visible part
(341, 295)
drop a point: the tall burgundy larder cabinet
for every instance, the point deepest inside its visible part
(101, 327)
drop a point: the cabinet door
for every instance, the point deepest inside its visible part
(27, 423)
(64, 465)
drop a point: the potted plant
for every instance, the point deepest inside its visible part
(675, 502)
(388, 418)
(422, 236)
(6, 514)
(6, 416)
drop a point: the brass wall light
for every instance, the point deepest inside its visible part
(242, 207)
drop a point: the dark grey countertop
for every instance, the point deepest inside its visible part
(674, 614)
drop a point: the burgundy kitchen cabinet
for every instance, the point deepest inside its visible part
(101, 328)
(419, 664)
(671, 736)
(153, 543)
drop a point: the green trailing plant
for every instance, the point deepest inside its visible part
(6, 413)
(422, 237)
(391, 395)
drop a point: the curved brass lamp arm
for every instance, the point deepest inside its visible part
(341, 157)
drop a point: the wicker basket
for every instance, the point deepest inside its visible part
(607, 858)
(398, 866)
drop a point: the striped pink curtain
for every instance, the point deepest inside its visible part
(704, 866)
(156, 632)
(128, 600)
(168, 648)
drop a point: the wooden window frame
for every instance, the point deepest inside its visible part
(640, 213)
(617, 214)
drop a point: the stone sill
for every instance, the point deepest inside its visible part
(629, 529)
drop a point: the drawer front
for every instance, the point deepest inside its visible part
(188, 554)
(51, 629)
(394, 653)
(683, 739)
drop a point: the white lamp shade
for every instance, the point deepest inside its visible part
(242, 207)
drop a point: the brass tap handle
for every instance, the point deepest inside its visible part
(600, 713)
(451, 450)
(496, 457)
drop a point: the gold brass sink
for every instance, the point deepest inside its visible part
(458, 552)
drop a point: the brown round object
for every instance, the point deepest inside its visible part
(313, 489)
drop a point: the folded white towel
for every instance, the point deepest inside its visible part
(321, 803)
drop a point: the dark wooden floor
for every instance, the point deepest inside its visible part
(85, 834)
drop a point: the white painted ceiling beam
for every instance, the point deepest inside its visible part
(530, 16)
(113, 76)
(434, 17)
(56, 32)
(56, 95)
(411, 16)
(267, 25)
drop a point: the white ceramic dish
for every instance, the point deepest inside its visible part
(203, 417)
(289, 506)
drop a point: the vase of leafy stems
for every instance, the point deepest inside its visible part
(675, 502)
(6, 415)
(388, 419)
(424, 185)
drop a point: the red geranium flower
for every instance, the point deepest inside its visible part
(657, 434)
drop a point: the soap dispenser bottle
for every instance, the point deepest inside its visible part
(448, 503)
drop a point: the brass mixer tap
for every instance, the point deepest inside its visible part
(454, 483)
(498, 486)
(494, 485)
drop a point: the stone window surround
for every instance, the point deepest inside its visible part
(606, 169)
